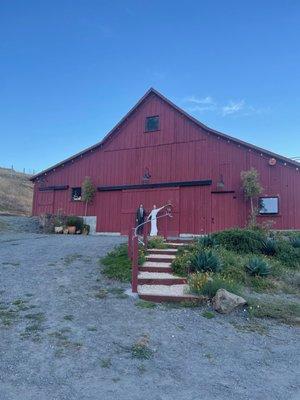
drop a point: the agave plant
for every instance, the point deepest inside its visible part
(205, 261)
(257, 267)
(269, 247)
(295, 242)
(206, 241)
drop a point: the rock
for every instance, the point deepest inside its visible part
(224, 302)
(58, 229)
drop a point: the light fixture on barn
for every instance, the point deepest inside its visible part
(146, 176)
(220, 183)
(272, 161)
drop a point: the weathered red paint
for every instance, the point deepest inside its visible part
(182, 150)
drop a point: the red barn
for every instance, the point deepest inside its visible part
(157, 154)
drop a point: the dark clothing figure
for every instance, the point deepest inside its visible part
(140, 218)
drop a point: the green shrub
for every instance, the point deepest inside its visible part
(269, 247)
(73, 220)
(217, 282)
(206, 241)
(205, 261)
(157, 243)
(241, 240)
(181, 264)
(260, 284)
(288, 255)
(197, 281)
(257, 267)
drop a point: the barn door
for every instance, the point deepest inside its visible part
(108, 211)
(46, 202)
(224, 211)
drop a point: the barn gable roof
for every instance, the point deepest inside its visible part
(150, 92)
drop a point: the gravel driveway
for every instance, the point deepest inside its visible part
(66, 332)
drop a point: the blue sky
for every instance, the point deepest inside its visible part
(69, 70)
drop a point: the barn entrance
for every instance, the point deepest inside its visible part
(131, 199)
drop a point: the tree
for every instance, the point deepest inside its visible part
(252, 189)
(88, 192)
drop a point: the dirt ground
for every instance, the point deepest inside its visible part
(66, 333)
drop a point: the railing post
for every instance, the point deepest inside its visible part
(135, 268)
(130, 244)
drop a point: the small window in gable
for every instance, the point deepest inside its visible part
(268, 205)
(76, 194)
(152, 124)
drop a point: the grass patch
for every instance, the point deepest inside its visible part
(208, 314)
(141, 349)
(69, 259)
(91, 329)
(12, 264)
(36, 317)
(105, 363)
(183, 304)
(145, 304)
(251, 327)
(63, 342)
(69, 317)
(101, 294)
(117, 264)
(118, 293)
(285, 311)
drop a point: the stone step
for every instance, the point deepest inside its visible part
(154, 266)
(166, 293)
(176, 245)
(160, 257)
(159, 278)
(162, 251)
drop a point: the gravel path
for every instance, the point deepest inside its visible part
(66, 333)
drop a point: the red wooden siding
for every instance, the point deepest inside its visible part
(180, 151)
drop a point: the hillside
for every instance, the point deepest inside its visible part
(16, 192)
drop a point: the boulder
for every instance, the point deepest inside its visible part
(224, 302)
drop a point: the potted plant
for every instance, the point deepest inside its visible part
(74, 224)
(59, 223)
(86, 229)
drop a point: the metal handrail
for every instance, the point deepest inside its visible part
(133, 246)
(167, 214)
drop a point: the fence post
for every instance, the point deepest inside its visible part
(135, 257)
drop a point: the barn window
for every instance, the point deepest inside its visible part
(268, 205)
(76, 194)
(152, 124)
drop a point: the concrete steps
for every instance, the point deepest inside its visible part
(160, 257)
(165, 293)
(159, 278)
(153, 266)
(156, 281)
(163, 251)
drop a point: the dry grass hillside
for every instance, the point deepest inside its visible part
(16, 192)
